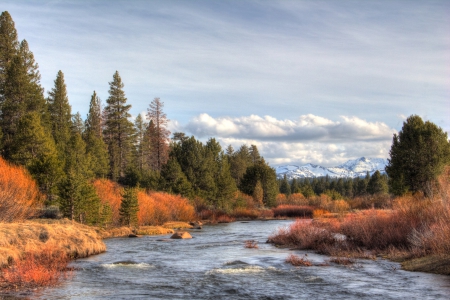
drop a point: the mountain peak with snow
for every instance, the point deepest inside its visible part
(352, 168)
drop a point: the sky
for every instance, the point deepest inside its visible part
(306, 81)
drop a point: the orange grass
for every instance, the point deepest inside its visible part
(19, 193)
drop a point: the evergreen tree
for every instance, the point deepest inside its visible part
(377, 184)
(285, 188)
(34, 148)
(159, 140)
(9, 46)
(226, 186)
(173, 180)
(261, 171)
(77, 123)
(129, 208)
(295, 187)
(93, 136)
(418, 154)
(119, 130)
(60, 114)
(21, 94)
(254, 154)
(239, 162)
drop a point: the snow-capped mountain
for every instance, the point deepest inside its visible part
(352, 168)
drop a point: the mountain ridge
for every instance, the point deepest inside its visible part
(350, 169)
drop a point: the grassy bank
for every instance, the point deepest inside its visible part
(36, 253)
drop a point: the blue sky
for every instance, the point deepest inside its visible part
(306, 81)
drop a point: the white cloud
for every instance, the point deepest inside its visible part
(308, 139)
(305, 128)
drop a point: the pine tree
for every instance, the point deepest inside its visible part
(9, 46)
(129, 208)
(21, 94)
(261, 171)
(93, 136)
(226, 186)
(60, 114)
(159, 138)
(254, 154)
(173, 180)
(294, 186)
(34, 148)
(119, 130)
(77, 123)
(285, 188)
(418, 154)
(377, 184)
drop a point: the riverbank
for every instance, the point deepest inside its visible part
(416, 234)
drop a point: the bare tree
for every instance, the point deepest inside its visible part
(158, 134)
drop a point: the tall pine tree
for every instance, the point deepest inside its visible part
(93, 136)
(119, 130)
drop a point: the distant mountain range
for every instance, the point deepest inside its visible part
(352, 168)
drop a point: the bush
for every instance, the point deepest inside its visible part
(293, 211)
(19, 194)
(302, 234)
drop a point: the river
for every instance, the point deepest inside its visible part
(214, 264)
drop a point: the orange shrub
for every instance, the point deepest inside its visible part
(157, 208)
(111, 193)
(302, 234)
(19, 193)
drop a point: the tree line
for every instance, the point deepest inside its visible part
(65, 153)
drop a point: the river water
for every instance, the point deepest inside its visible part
(216, 265)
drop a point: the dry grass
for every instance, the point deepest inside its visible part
(35, 253)
(154, 230)
(72, 238)
(251, 244)
(298, 261)
(114, 232)
(177, 225)
(342, 261)
(224, 219)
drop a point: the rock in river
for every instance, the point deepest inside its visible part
(181, 235)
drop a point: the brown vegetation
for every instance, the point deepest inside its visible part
(298, 261)
(251, 244)
(293, 211)
(416, 226)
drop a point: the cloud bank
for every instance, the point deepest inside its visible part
(307, 139)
